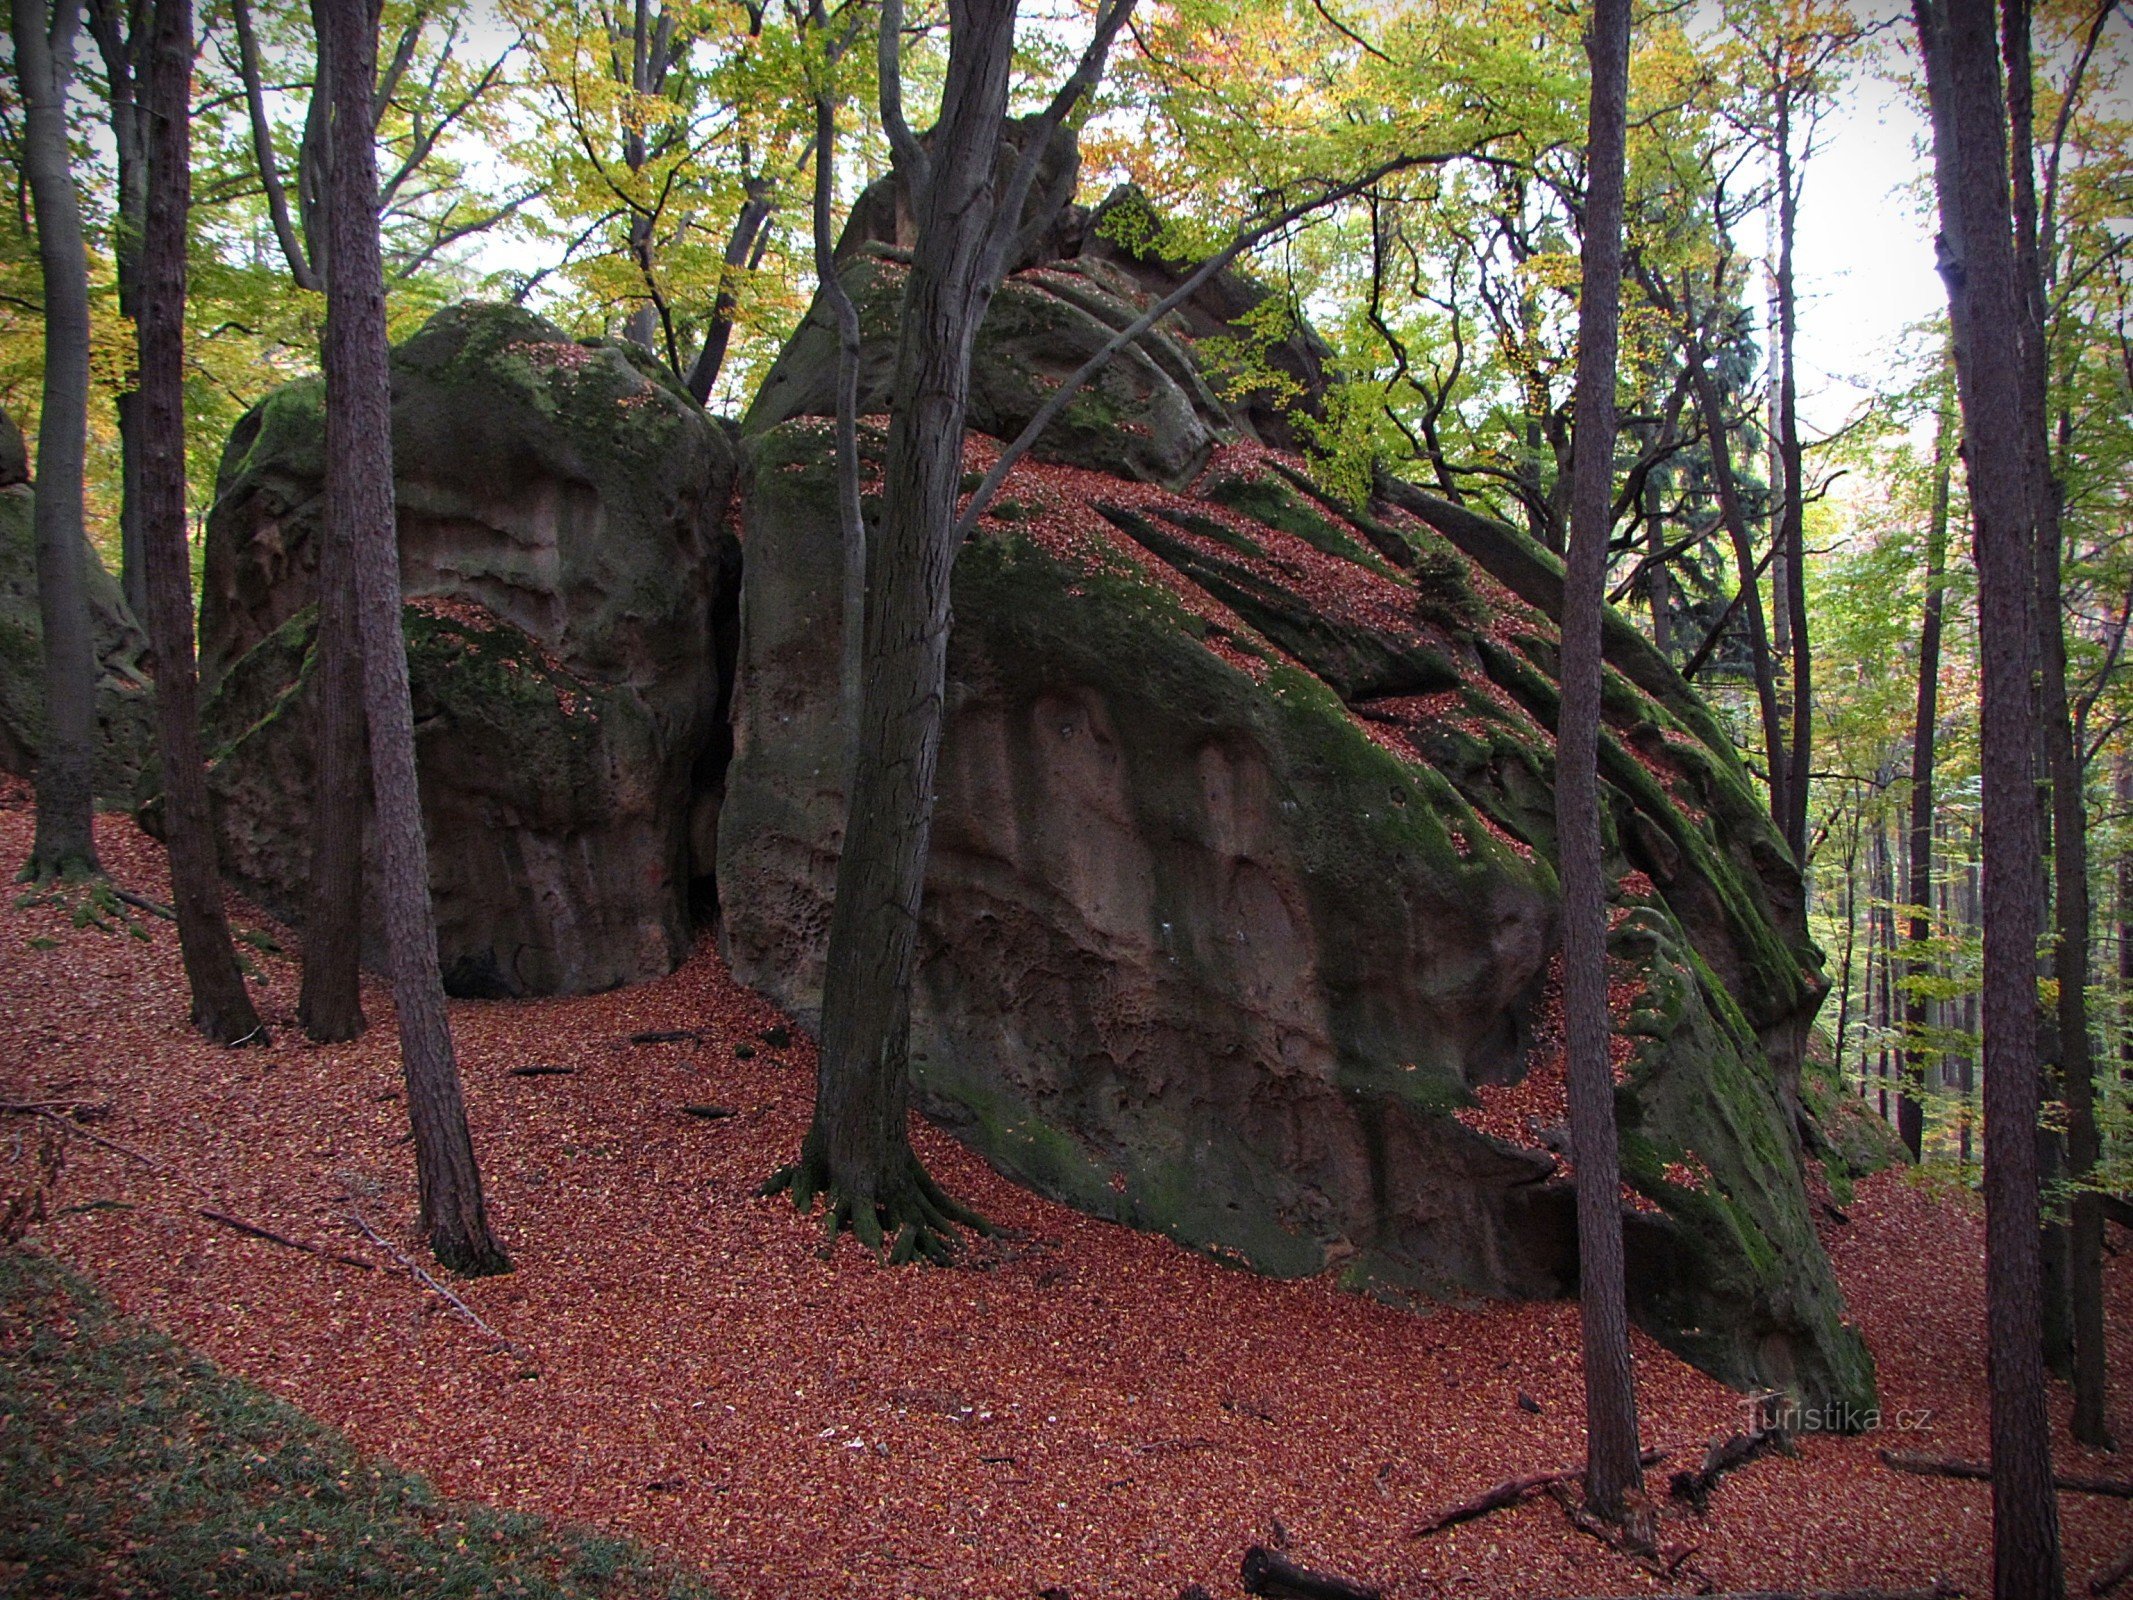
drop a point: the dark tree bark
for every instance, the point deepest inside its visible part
(1963, 81)
(857, 1153)
(1611, 1471)
(221, 1006)
(1884, 874)
(1791, 599)
(65, 843)
(2122, 795)
(359, 488)
(1910, 1104)
(2083, 1241)
(851, 521)
(120, 39)
(330, 1004)
(749, 227)
(1735, 516)
(304, 269)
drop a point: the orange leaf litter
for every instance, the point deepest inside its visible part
(1082, 1406)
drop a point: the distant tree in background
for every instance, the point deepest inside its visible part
(65, 843)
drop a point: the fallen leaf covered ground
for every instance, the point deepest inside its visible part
(1077, 1406)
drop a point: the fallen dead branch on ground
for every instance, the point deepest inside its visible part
(1724, 1453)
(1266, 1573)
(255, 1231)
(1509, 1493)
(2113, 1572)
(429, 1281)
(72, 1123)
(1981, 1472)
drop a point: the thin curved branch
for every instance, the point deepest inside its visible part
(1057, 401)
(292, 247)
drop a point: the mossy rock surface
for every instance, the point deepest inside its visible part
(1240, 911)
(571, 586)
(125, 697)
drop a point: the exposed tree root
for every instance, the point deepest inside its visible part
(913, 1219)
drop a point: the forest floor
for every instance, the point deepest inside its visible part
(1075, 1406)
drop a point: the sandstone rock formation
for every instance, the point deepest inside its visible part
(1240, 917)
(125, 705)
(570, 585)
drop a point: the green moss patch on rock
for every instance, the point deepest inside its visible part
(1219, 943)
(561, 510)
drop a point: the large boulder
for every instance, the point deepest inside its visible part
(125, 698)
(570, 585)
(1240, 914)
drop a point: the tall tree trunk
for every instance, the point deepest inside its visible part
(857, 1152)
(1612, 1471)
(359, 490)
(1735, 516)
(851, 519)
(2083, 1240)
(222, 1009)
(1881, 946)
(1791, 593)
(329, 1003)
(1910, 1107)
(119, 44)
(1851, 937)
(65, 843)
(2122, 795)
(1963, 82)
(1658, 583)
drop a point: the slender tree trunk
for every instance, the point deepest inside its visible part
(1658, 583)
(1612, 1470)
(753, 220)
(1791, 593)
(851, 520)
(1910, 1107)
(1883, 915)
(1973, 910)
(1851, 935)
(65, 842)
(1735, 517)
(2082, 1242)
(1963, 80)
(2122, 791)
(118, 43)
(329, 1004)
(222, 1009)
(359, 489)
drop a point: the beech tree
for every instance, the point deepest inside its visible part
(359, 506)
(1612, 1469)
(65, 842)
(221, 1006)
(1959, 40)
(122, 40)
(1910, 1107)
(857, 1155)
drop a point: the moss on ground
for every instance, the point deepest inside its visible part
(134, 1468)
